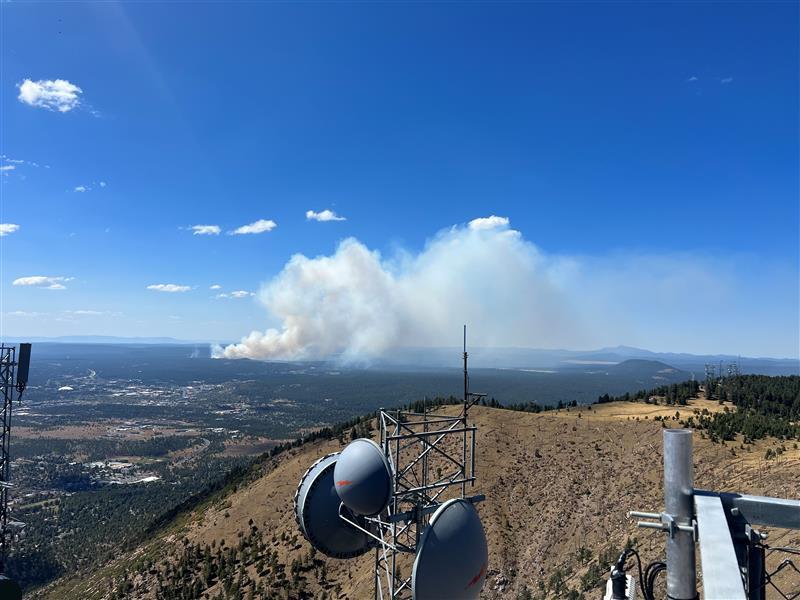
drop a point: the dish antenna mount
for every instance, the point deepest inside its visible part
(406, 495)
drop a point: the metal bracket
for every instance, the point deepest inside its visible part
(666, 522)
(415, 513)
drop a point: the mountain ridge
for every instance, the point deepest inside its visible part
(605, 458)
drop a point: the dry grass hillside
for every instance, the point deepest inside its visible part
(558, 485)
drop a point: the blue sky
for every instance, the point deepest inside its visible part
(626, 139)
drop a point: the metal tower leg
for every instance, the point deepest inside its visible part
(7, 364)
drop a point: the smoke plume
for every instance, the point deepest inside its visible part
(356, 304)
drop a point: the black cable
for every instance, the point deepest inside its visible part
(629, 551)
(647, 578)
(650, 574)
(781, 549)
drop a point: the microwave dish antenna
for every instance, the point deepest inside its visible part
(316, 509)
(363, 477)
(452, 557)
(405, 496)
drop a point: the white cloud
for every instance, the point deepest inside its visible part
(57, 95)
(725, 80)
(70, 314)
(259, 226)
(205, 229)
(41, 281)
(90, 186)
(236, 294)
(19, 161)
(322, 216)
(491, 222)
(168, 287)
(8, 228)
(691, 79)
(216, 286)
(7, 168)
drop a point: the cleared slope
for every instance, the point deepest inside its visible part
(558, 486)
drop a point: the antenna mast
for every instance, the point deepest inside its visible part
(466, 374)
(427, 472)
(13, 378)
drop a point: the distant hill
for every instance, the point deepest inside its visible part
(648, 369)
(530, 358)
(637, 365)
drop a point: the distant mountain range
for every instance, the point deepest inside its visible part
(505, 358)
(532, 358)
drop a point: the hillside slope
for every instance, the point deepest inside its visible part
(558, 485)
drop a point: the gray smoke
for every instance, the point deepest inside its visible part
(356, 304)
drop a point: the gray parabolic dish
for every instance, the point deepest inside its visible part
(363, 477)
(316, 507)
(452, 558)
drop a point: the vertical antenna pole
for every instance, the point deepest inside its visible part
(464, 424)
(678, 494)
(385, 446)
(420, 524)
(466, 376)
(395, 504)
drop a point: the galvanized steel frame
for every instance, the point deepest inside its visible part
(731, 553)
(416, 490)
(8, 365)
